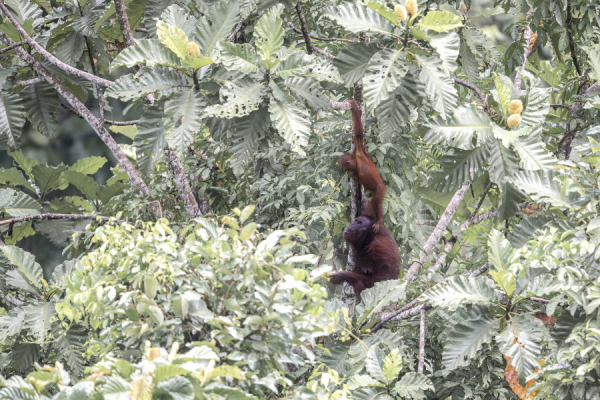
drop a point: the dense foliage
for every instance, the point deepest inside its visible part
(197, 269)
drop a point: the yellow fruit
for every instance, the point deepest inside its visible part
(411, 7)
(193, 49)
(400, 11)
(513, 121)
(515, 107)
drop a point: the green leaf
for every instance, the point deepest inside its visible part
(521, 341)
(146, 51)
(438, 85)
(292, 121)
(239, 57)
(506, 280)
(593, 53)
(196, 61)
(27, 270)
(533, 154)
(537, 107)
(309, 90)
(245, 132)
(353, 60)
(385, 12)
(269, 36)
(14, 177)
(296, 64)
(125, 130)
(243, 97)
(467, 337)
(459, 132)
(58, 231)
(11, 325)
(460, 167)
(174, 15)
(107, 192)
(111, 30)
(25, 163)
(440, 21)
(84, 183)
(168, 371)
(173, 37)
(38, 317)
(23, 356)
(70, 50)
(361, 381)
(47, 178)
(116, 388)
(157, 80)
(42, 105)
(447, 45)
(230, 393)
(500, 252)
(383, 76)
(18, 204)
(224, 15)
(413, 384)
(23, 10)
(395, 112)
(504, 94)
(546, 186)
(183, 119)
(178, 387)
(459, 290)
(88, 165)
(379, 296)
(392, 365)
(510, 197)
(324, 71)
(12, 119)
(358, 18)
(150, 138)
(373, 365)
(502, 161)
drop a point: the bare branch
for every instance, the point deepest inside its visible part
(481, 270)
(324, 39)
(442, 257)
(571, 41)
(476, 90)
(485, 192)
(437, 233)
(341, 105)
(411, 312)
(48, 217)
(94, 122)
(540, 300)
(47, 55)
(12, 46)
(181, 181)
(527, 37)
(421, 342)
(121, 123)
(124, 23)
(560, 106)
(236, 30)
(310, 48)
(143, 30)
(98, 90)
(478, 218)
(29, 82)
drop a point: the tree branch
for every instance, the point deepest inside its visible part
(48, 217)
(476, 89)
(124, 23)
(442, 257)
(324, 39)
(571, 41)
(481, 270)
(527, 37)
(55, 61)
(236, 30)
(421, 342)
(183, 186)
(309, 46)
(478, 218)
(29, 82)
(436, 235)
(94, 122)
(560, 106)
(12, 46)
(121, 123)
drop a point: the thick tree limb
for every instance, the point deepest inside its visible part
(310, 48)
(411, 312)
(481, 270)
(124, 23)
(47, 55)
(8, 48)
(437, 233)
(478, 218)
(324, 39)
(94, 122)
(181, 181)
(476, 90)
(48, 217)
(236, 30)
(421, 342)
(29, 82)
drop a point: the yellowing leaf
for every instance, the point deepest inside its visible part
(173, 37)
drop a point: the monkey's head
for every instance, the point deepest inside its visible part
(359, 231)
(348, 163)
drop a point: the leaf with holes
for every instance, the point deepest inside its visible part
(358, 18)
(460, 131)
(18, 204)
(157, 80)
(269, 36)
(296, 64)
(243, 97)
(438, 85)
(383, 76)
(182, 119)
(146, 51)
(239, 57)
(292, 121)
(440, 21)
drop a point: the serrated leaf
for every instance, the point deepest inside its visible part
(438, 85)
(178, 387)
(26, 268)
(506, 280)
(468, 336)
(537, 107)
(224, 15)
(358, 18)
(107, 192)
(116, 388)
(309, 90)
(146, 51)
(593, 53)
(173, 37)
(385, 12)
(182, 119)
(245, 132)
(24, 10)
(42, 105)
(353, 60)
(447, 45)
(392, 365)
(269, 36)
(503, 162)
(88, 165)
(546, 186)
(70, 49)
(11, 324)
(239, 57)
(14, 177)
(521, 341)
(296, 64)
(292, 121)
(58, 231)
(533, 154)
(440, 21)
(84, 183)
(413, 384)
(383, 76)
(463, 166)
(459, 290)
(174, 15)
(374, 299)
(361, 381)
(12, 119)
(324, 71)
(500, 252)
(150, 138)
(125, 130)
(23, 357)
(18, 204)
(373, 365)
(459, 132)
(504, 94)
(244, 97)
(38, 317)
(164, 372)
(157, 80)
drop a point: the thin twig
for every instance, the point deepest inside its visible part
(571, 41)
(421, 342)
(436, 235)
(236, 30)
(182, 183)
(481, 270)
(49, 216)
(527, 37)
(53, 60)
(124, 23)
(310, 48)
(106, 121)
(478, 218)
(323, 39)
(143, 30)
(12, 46)
(98, 90)
(442, 257)
(470, 222)
(476, 90)
(540, 300)
(560, 106)
(29, 82)
(389, 316)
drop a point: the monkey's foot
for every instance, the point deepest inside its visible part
(330, 274)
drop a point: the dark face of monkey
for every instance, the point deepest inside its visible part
(358, 230)
(348, 163)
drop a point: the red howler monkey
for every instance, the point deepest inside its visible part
(359, 165)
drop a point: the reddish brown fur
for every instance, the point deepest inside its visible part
(376, 256)
(359, 165)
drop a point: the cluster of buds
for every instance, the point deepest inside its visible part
(408, 9)
(514, 109)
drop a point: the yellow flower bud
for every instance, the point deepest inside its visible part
(515, 107)
(513, 121)
(193, 49)
(400, 11)
(411, 7)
